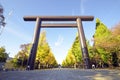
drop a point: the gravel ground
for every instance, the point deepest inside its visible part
(61, 74)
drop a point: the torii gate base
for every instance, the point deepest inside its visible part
(78, 24)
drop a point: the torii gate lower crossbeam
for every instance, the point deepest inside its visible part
(78, 24)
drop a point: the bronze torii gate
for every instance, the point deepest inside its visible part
(78, 24)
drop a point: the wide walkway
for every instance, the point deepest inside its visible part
(61, 74)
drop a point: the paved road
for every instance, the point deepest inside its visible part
(61, 74)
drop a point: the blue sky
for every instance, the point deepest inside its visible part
(18, 32)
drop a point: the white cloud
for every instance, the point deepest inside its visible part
(59, 41)
(17, 32)
(10, 13)
(82, 8)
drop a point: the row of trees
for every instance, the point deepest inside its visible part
(44, 53)
(44, 56)
(105, 51)
(73, 57)
(106, 43)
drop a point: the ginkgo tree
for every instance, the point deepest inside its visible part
(74, 56)
(44, 56)
(105, 50)
(101, 33)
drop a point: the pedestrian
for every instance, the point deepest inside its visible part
(93, 66)
(28, 67)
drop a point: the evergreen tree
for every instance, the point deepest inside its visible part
(3, 54)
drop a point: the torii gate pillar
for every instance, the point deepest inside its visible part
(78, 19)
(83, 45)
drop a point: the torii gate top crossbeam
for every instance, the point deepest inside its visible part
(58, 18)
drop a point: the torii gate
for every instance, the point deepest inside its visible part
(78, 24)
